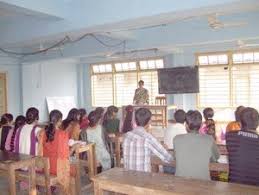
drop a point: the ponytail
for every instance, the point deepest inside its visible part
(54, 117)
(50, 132)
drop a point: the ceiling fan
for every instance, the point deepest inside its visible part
(242, 44)
(215, 23)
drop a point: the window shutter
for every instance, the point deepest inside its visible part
(214, 86)
(102, 90)
(125, 85)
(246, 85)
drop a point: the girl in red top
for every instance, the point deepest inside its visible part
(56, 148)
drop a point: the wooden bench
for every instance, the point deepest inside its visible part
(45, 179)
(117, 141)
(10, 162)
(90, 164)
(123, 181)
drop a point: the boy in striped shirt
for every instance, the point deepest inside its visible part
(243, 150)
(139, 145)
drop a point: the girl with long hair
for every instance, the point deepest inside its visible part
(95, 135)
(208, 127)
(111, 123)
(5, 127)
(26, 139)
(128, 123)
(19, 122)
(71, 124)
(56, 148)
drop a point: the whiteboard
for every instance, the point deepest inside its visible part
(63, 104)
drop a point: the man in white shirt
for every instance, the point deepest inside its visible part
(175, 128)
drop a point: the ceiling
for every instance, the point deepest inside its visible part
(169, 25)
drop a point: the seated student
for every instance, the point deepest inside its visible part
(56, 148)
(27, 136)
(208, 127)
(111, 123)
(193, 151)
(235, 125)
(9, 143)
(10, 118)
(243, 150)
(71, 124)
(5, 127)
(175, 129)
(139, 145)
(83, 120)
(100, 111)
(129, 121)
(95, 135)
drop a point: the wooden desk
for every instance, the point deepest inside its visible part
(159, 114)
(12, 161)
(141, 183)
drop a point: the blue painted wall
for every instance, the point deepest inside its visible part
(48, 78)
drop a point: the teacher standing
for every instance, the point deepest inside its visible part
(141, 96)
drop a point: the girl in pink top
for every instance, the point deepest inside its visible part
(208, 127)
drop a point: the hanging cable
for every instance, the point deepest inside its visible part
(64, 41)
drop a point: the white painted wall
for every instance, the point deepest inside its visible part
(48, 78)
(11, 68)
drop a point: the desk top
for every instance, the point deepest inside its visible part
(169, 183)
(9, 157)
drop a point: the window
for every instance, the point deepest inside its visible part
(229, 81)
(248, 57)
(115, 84)
(213, 59)
(102, 68)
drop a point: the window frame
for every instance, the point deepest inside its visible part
(230, 65)
(114, 72)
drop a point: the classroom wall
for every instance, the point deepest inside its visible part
(12, 69)
(48, 78)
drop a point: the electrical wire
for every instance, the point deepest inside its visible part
(64, 41)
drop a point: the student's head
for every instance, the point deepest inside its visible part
(180, 116)
(19, 121)
(4, 119)
(238, 111)
(127, 123)
(94, 118)
(55, 120)
(141, 83)
(193, 120)
(82, 113)
(249, 119)
(10, 117)
(73, 115)
(208, 113)
(143, 117)
(32, 115)
(111, 113)
(99, 111)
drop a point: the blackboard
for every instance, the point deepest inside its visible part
(178, 80)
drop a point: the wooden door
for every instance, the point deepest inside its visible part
(3, 98)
